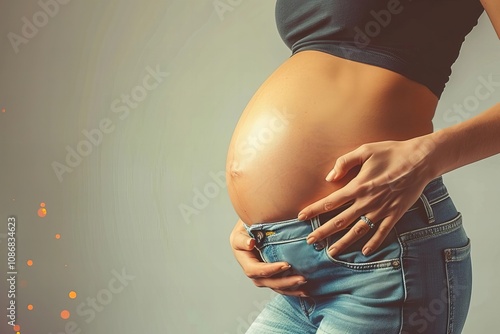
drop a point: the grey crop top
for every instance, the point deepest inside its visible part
(419, 39)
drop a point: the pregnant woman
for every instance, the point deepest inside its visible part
(334, 170)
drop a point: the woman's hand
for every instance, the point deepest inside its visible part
(260, 272)
(392, 176)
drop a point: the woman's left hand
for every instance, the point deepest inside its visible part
(391, 178)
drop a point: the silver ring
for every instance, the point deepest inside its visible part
(367, 221)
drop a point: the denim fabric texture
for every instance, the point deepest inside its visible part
(418, 281)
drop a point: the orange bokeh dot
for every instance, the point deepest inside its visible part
(58, 236)
(3, 109)
(42, 205)
(29, 263)
(72, 294)
(42, 212)
(30, 307)
(65, 314)
(17, 328)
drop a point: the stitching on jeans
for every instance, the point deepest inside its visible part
(449, 325)
(382, 264)
(303, 305)
(280, 242)
(433, 230)
(439, 199)
(428, 209)
(404, 252)
(433, 202)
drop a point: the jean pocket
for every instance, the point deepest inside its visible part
(387, 255)
(286, 250)
(459, 279)
(303, 258)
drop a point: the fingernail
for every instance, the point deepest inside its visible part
(367, 251)
(302, 216)
(304, 296)
(331, 175)
(311, 239)
(286, 267)
(301, 282)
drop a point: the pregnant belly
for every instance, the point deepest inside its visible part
(312, 109)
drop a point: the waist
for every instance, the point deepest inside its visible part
(419, 215)
(316, 87)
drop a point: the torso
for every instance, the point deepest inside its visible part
(312, 109)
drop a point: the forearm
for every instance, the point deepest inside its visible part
(492, 8)
(464, 143)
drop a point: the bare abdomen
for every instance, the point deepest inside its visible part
(312, 109)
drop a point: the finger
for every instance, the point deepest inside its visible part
(381, 233)
(239, 238)
(334, 225)
(326, 204)
(289, 283)
(346, 162)
(253, 267)
(354, 234)
(243, 249)
(293, 293)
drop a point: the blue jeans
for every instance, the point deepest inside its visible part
(418, 281)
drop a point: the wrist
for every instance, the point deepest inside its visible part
(424, 157)
(439, 155)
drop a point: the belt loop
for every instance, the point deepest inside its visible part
(428, 209)
(315, 223)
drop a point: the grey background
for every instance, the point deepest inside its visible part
(119, 209)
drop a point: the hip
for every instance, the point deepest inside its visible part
(432, 227)
(419, 279)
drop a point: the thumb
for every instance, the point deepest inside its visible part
(240, 240)
(345, 163)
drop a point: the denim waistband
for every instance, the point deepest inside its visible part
(434, 193)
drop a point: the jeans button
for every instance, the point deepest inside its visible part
(259, 235)
(319, 245)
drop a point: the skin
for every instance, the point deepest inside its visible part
(376, 164)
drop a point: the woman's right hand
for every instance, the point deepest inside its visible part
(259, 272)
